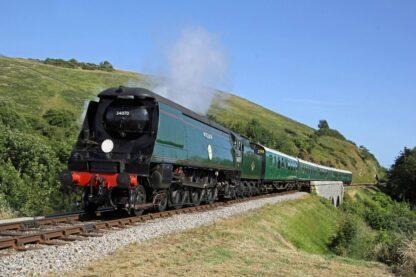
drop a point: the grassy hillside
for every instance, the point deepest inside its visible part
(35, 87)
(288, 239)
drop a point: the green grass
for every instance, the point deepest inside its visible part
(33, 88)
(308, 225)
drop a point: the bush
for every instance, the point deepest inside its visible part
(352, 238)
(401, 183)
(324, 130)
(10, 118)
(323, 124)
(407, 253)
(28, 173)
(388, 247)
(391, 225)
(106, 66)
(59, 118)
(329, 133)
(365, 154)
(73, 63)
(5, 210)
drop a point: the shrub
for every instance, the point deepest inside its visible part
(352, 238)
(402, 177)
(329, 133)
(324, 130)
(407, 253)
(28, 173)
(59, 118)
(323, 124)
(365, 154)
(106, 66)
(10, 118)
(5, 210)
(73, 63)
(392, 225)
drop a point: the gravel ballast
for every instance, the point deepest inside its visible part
(78, 254)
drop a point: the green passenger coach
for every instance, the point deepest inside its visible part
(279, 166)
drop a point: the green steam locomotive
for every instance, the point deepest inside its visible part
(137, 149)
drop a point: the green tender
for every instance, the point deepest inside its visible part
(186, 141)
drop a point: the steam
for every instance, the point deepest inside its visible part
(194, 65)
(84, 111)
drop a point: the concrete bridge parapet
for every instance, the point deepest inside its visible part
(331, 190)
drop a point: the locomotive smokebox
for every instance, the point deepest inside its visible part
(125, 119)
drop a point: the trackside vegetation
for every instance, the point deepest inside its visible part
(374, 227)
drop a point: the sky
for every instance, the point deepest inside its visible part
(352, 63)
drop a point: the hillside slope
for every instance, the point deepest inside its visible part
(32, 88)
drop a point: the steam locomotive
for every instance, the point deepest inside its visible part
(137, 149)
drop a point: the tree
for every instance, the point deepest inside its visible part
(323, 124)
(324, 130)
(402, 176)
(106, 66)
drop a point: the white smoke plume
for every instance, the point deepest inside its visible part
(84, 110)
(195, 64)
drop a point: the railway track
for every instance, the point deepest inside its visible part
(29, 235)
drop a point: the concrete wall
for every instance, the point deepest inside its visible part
(333, 191)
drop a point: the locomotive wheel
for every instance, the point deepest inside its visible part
(137, 197)
(89, 207)
(234, 192)
(185, 197)
(163, 204)
(239, 191)
(176, 199)
(247, 189)
(256, 190)
(250, 191)
(196, 197)
(210, 195)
